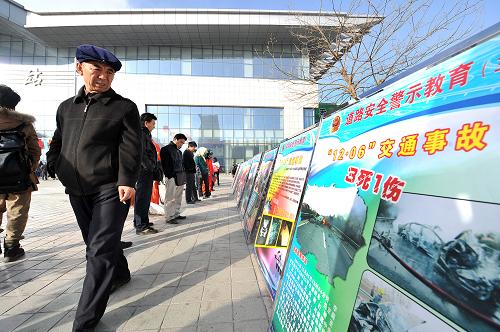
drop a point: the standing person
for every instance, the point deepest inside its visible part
(17, 179)
(173, 168)
(144, 186)
(234, 169)
(216, 166)
(210, 167)
(200, 161)
(190, 168)
(96, 153)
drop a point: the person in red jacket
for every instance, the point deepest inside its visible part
(210, 166)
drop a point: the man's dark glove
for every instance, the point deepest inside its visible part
(51, 170)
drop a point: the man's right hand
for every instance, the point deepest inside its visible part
(51, 170)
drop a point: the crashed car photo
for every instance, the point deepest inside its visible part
(371, 316)
(423, 237)
(471, 266)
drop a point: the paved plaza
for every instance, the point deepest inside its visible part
(196, 276)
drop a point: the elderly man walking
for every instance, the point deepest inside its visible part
(96, 153)
(173, 168)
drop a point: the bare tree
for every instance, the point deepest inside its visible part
(370, 41)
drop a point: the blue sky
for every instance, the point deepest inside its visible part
(490, 16)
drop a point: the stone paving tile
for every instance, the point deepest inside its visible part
(40, 322)
(199, 275)
(10, 322)
(181, 315)
(251, 326)
(146, 318)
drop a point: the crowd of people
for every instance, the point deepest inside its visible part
(103, 153)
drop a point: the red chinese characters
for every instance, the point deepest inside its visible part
(458, 76)
(413, 92)
(362, 178)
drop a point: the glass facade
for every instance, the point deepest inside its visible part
(248, 61)
(234, 134)
(308, 117)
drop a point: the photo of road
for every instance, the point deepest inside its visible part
(447, 255)
(381, 307)
(334, 227)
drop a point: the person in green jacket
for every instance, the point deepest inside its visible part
(201, 164)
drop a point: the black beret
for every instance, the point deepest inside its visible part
(8, 98)
(93, 53)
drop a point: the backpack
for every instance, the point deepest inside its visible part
(15, 162)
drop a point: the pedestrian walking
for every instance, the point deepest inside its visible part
(173, 168)
(96, 153)
(190, 168)
(147, 173)
(19, 158)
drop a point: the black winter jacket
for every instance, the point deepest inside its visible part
(149, 160)
(188, 159)
(97, 143)
(171, 160)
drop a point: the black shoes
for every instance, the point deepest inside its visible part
(180, 217)
(172, 221)
(13, 253)
(119, 283)
(193, 202)
(125, 244)
(146, 231)
(150, 224)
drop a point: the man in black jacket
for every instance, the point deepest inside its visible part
(144, 186)
(190, 168)
(173, 168)
(96, 153)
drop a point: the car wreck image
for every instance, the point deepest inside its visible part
(369, 317)
(470, 267)
(446, 254)
(423, 237)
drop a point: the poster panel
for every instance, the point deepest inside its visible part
(259, 192)
(254, 168)
(281, 205)
(235, 178)
(404, 188)
(242, 179)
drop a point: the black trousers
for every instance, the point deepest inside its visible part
(101, 217)
(191, 194)
(204, 181)
(143, 191)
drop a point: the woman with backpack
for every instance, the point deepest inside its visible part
(19, 158)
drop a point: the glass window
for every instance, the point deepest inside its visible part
(154, 66)
(185, 120)
(206, 133)
(16, 48)
(195, 121)
(29, 48)
(142, 52)
(164, 67)
(173, 120)
(120, 52)
(5, 48)
(142, 66)
(131, 66)
(131, 52)
(154, 52)
(164, 52)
